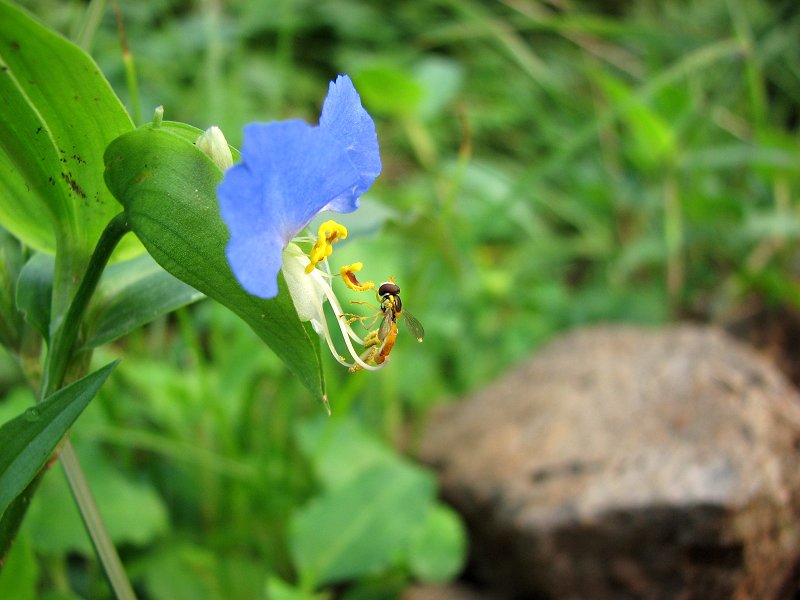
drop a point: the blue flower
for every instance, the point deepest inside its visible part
(290, 172)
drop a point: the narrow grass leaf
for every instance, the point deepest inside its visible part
(131, 294)
(27, 441)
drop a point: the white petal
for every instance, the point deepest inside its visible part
(305, 290)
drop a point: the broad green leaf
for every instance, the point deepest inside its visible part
(168, 188)
(441, 80)
(360, 528)
(177, 570)
(35, 290)
(340, 449)
(131, 294)
(438, 550)
(181, 571)
(58, 115)
(389, 90)
(56, 526)
(20, 573)
(27, 441)
(278, 589)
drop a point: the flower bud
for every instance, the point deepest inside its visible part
(214, 144)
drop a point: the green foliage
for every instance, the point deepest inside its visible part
(131, 294)
(54, 523)
(438, 548)
(20, 572)
(330, 544)
(29, 439)
(59, 115)
(339, 536)
(168, 188)
(544, 168)
(34, 292)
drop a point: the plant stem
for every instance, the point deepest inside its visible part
(63, 339)
(130, 67)
(59, 356)
(62, 343)
(106, 552)
(91, 21)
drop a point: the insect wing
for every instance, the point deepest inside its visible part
(414, 326)
(386, 324)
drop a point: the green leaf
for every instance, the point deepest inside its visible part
(340, 449)
(438, 550)
(10, 267)
(389, 90)
(27, 441)
(168, 188)
(278, 589)
(56, 526)
(20, 573)
(35, 291)
(131, 294)
(181, 571)
(58, 115)
(362, 527)
(653, 140)
(441, 80)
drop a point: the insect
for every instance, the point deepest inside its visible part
(379, 343)
(392, 309)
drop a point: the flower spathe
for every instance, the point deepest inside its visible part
(290, 172)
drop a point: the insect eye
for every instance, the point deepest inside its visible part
(388, 288)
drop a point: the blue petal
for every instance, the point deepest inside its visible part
(347, 121)
(290, 171)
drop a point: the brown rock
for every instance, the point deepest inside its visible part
(627, 462)
(445, 592)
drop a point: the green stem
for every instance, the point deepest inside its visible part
(63, 338)
(62, 343)
(130, 67)
(112, 565)
(59, 356)
(91, 21)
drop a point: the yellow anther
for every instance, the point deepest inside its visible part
(348, 273)
(328, 233)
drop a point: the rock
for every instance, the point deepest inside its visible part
(445, 592)
(627, 462)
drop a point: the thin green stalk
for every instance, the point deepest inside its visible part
(91, 21)
(283, 53)
(59, 357)
(64, 337)
(214, 86)
(130, 68)
(106, 551)
(60, 353)
(753, 72)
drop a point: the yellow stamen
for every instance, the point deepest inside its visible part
(328, 233)
(348, 273)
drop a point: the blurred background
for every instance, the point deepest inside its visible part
(546, 165)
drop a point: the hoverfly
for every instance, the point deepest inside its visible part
(392, 309)
(379, 343)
